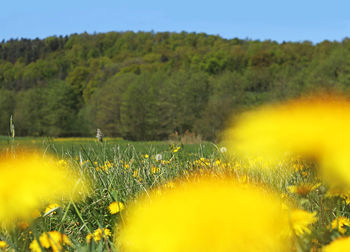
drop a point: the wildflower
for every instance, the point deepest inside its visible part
(136, 173)
(339, 192)
(22, 225)
(146, 156)
(3, 244)
(242, 218)
(29, 181)
(53, 239)
(300, 221)
(62, 162)
(339, 245)
(98, 235)
(223, 149)
(303, 189)
(340, 224)
(170, 185)
(50, 209)
(176, 149)
(155, 169)
(158, 157)
(298, 167)
(116, 207)
(315, 128)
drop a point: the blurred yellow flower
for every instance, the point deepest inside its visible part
(339, 245)
(209, 215)
(303, 189)
(116, 207)
(301, 220)
(22, 225)
(316, 128)
(340, 224)
(98, 235)
(50, 207)
(135, 173)
(3, 244)
(29, 180)
(53, 239)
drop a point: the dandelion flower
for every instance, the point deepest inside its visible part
(303, 189)
(50, 209)
(98, 235)
(316, 128)
(301, 220)
(209, 215)
(53, 239)
(29, 181)
(115, 207)
(22, 225)
(339, 245)
(3, 245)
(340, 224)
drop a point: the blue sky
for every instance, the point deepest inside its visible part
(266, 19)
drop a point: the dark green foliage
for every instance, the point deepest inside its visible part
(147, 85)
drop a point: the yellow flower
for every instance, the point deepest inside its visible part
(53, 239)
(209, 215)
(50, 208)
(146, 156)
(339, 245)
(29, 180)
(3, 244)
(303, 189)
(339, 192)
(136, 173)
(155, 169)
(315, 128)
(340, 224)
(98, 235)
(116, 207)
(300, 221)
(170, 185)
(22, 225)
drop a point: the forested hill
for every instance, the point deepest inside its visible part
(145, 86)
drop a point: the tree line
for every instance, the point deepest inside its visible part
(146, 85)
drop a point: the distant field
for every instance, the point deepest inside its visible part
(74, 145)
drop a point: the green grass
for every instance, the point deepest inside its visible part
(131, 173)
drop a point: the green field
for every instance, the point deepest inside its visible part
(121, 171)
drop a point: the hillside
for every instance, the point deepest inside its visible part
(146, 86)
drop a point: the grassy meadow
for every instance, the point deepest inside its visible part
(120, 171)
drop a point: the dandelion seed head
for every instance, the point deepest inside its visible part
(158, 157)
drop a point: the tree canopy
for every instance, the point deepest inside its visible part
(146, 85)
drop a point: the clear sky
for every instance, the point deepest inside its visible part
(279, 20)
